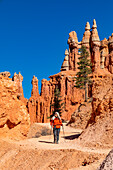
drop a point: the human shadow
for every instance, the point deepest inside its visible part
(71, 137)
(46, 142)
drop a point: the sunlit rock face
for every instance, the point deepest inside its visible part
(13, 111)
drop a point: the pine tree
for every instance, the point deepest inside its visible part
(82, 76)
(58, 105)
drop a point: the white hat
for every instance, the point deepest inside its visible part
(57, 115)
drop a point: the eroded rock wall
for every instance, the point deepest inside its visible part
(13, 111)
(99, 130)
(40, 107)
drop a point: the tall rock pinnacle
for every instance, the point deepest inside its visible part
(73, 50)
(94, 35)
(87, 26)
(65, 65)
(73, 40)
(35, 92)
(95, 45)
(94, 24)
(86, 36)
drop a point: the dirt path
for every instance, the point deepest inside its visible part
(68, 140)
(40, 153)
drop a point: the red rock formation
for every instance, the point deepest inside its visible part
(109, 58)
(86, 37)
(81, 115)
(102, 94)
(103, 52)
(65, 65)
(18, 78)
(95, 47)
(39, 105)
(73, 50)
(13, 112)
(101, 55)
(5, 74)
(35, 91)
(33, 100)
(100, 127)
(71, 96)
(99, 130)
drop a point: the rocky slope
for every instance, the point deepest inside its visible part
(100, 125)
(81, 116)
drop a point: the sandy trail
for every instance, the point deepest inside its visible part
(68, 140)
(40, 153)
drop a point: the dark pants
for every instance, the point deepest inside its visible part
(56, 132)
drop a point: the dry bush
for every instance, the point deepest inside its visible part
(37, 130)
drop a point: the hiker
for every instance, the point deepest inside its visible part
(56, 122)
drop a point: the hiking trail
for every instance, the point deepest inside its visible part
(43, 153)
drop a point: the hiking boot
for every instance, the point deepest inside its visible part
(55, 141)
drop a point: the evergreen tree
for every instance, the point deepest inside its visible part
(57, 104)
(82, 76)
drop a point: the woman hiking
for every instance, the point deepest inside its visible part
(56, 122)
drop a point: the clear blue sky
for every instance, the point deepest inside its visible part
(33, 33)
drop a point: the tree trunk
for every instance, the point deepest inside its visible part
(85, 92)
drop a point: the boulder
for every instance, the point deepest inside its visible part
(108, 162)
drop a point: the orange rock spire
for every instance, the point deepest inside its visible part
(109, 58)
(95, 47)
(65, 65)
(73, 50)
(35, 91)
(73, 40)
(103, 52)
(94, 34)
(86, 37)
